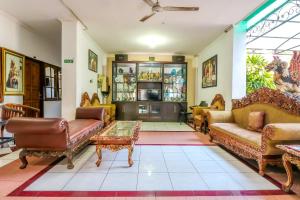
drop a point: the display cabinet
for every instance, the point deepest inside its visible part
(149, 91)
(174, 82)
(124, 82)
(150, 72)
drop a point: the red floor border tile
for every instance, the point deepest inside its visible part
(20, 191)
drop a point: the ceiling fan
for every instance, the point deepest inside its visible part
(157, 8)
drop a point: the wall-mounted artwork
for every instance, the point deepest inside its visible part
(13, 71)
(1, 85)
(209, 72)
(93, 61)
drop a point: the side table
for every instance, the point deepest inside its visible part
(291, 156)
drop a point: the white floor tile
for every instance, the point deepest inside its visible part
(187, 181)
(50, 182)
(154, 181)
(85, 182)
(206, 166)
(220, 181)
(253, 181)
(123, 154)
(90, 166)
(233, 166)
(198, 156)
(148, 166)
(123, 167)
(151, 156)
(62, 166)
(120, 181)
(195, 149)
(12, 156)
(178, 166)
(150, 149)
(171, 149)
(180, 156)
(106, 156)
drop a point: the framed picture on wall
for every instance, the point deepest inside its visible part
(93, 61)
(1, 85)
(13, 72)
(209, 72)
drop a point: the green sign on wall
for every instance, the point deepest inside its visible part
(68, 61)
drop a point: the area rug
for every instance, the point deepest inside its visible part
(158, 170)
(166, 126)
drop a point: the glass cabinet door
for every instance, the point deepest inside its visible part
(124, 82)
(151, 72)
(174, 82)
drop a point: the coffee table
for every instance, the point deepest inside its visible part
(291, 156)
(118, 135)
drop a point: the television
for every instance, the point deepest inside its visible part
(149, 95)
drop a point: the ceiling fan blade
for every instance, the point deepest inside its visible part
(149, 2)
(147, 17)
(174, 8)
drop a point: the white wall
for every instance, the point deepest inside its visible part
(76, 76)
(17, 36)
(222, 47)
(231, 72)
(87, 79)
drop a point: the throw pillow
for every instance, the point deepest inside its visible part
(256, 121)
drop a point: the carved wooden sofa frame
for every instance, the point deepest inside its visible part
(246, 150)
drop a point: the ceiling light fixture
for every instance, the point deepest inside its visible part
(152, 41)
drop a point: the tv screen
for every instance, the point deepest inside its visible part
(149, 95)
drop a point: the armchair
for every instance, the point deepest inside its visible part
(14, 110)
(200, 112)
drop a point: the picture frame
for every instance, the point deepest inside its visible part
(93, 61)
(1, 85)
(209, 72)
(13, 72)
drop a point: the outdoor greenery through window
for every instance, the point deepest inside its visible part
(257, 75)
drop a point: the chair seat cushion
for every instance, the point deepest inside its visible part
(80, 129)
(239, 133)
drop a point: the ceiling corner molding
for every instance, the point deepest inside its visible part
(74, 14)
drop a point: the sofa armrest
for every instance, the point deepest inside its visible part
(36, 126)
(282, 131)
(197, 110)
(90, 113)
(219, 117)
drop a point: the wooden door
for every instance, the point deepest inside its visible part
(32, 96)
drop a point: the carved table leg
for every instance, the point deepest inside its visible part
(288, 168)
(22, 157)
(99, 153)
(130, 151)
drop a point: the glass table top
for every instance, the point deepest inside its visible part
(120, 129)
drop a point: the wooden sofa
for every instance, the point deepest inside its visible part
(95, 102)
(200, 112)
(281, 126)
(46, 137)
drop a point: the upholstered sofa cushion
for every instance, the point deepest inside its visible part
(82, 128)
(237, 132)
(256, 121)
(272, 114)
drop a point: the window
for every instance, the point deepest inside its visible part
(52, 83)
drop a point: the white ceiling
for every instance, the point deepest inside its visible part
(115, 25)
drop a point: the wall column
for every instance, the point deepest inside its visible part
(69, 52)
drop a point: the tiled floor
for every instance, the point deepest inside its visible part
(156, 168)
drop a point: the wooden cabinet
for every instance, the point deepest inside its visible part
(150, 111)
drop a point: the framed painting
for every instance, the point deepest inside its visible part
(13, 72)
(1, 85)
(209, 72)
(93, 61)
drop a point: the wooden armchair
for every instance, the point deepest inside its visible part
(200, 112)
(15, 110)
